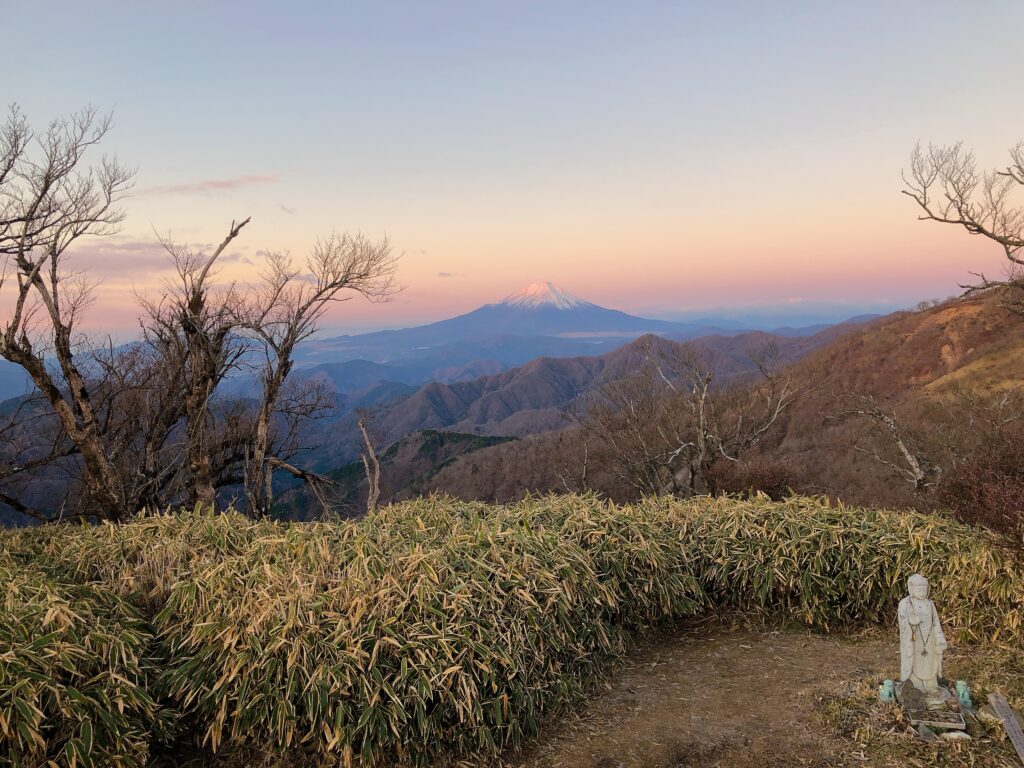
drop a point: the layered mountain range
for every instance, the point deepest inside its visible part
(512, 369)
(536, 397)
(541, 321)
(917, 366)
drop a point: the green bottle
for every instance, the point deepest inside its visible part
(963, 693)
(887, 691)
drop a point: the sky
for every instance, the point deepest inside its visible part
(658, 158)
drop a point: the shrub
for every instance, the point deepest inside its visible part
(74, 678)
(437, 627)
(773, 477)
(988, 488)
(833, 566)
(430, 627)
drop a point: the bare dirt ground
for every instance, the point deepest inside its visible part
(719, 697)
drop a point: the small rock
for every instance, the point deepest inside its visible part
(988, 716)
(974, 726)
(926, 733)
(956, 736)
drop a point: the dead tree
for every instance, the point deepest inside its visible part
(255, 329)
(147, 425)
(665, 427)
(49, 200)
(31, 440)
(947, 186)
(195, 325)
(372, 467)
(724, 423)
(623, 428)
(912, 465)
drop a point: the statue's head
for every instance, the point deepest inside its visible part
(917, 585)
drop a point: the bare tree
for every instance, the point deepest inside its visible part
(726, 423)
(372, 467)
(49, 199)
(574, 475)
(664, 428)
(31, 439)
(945, 182)
(913, 464)
(213, 329)
(194, 325)
(149, 424)
(285, 311)
(623, 428)
(963, 422)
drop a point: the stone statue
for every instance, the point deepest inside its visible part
(921, 639)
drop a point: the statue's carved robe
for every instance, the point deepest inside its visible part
(921, 644)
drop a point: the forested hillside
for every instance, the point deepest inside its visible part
(934, 370)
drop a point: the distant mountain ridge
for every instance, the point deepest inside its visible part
(540, 309)
(541, 320)
(532, 398)
(902, 360)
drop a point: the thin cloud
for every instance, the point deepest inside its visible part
(210, 185)
(236, 256)
(122, 258)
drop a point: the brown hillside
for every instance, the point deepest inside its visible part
(533, 398)
(904, 360)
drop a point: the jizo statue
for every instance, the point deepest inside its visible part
(921, 639)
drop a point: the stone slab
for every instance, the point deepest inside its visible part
(1013, 730)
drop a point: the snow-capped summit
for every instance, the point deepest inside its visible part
(544, 294)
(542, 319)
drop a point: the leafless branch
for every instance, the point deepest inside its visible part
(948, 188)
(372, 467)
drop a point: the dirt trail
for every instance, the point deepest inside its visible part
(714, 698)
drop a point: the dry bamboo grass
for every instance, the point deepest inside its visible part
(832, 565)
(439, 627)
(74, 679)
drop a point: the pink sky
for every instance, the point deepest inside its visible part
(650, 157)
(892, 260)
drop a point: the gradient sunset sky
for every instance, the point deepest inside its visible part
(651, 157)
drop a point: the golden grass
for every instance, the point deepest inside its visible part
(441, 628)
(994, 373)
(74, 677)
(882, 732)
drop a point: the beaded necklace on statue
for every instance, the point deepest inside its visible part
(924, 637)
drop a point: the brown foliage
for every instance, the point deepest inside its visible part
(988, 487)
(774, 477)
(937, 371)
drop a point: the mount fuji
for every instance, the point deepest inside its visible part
(540, 320)
(540, 309)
